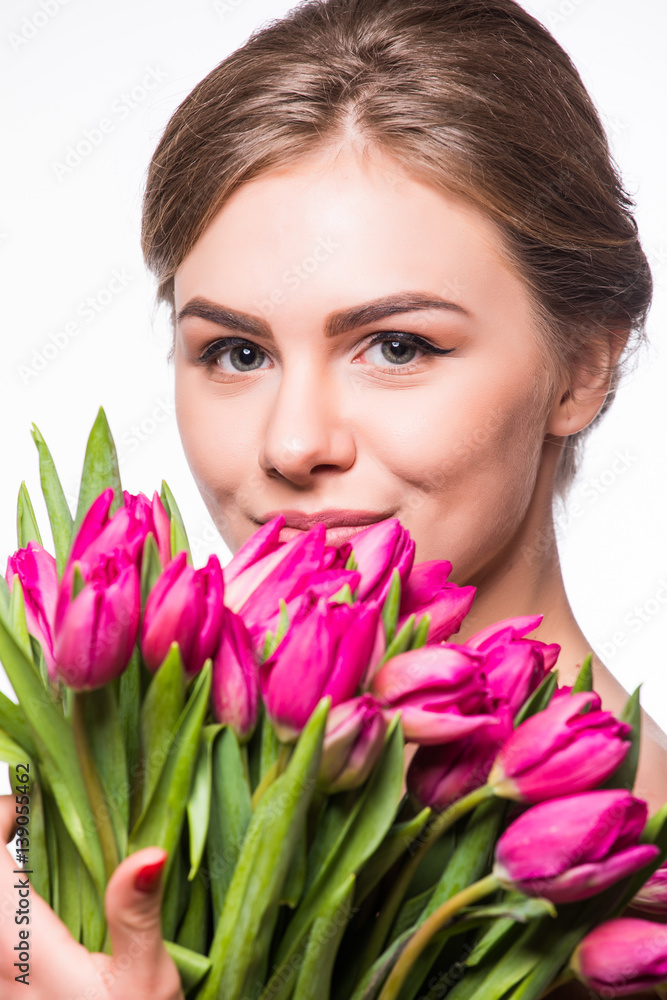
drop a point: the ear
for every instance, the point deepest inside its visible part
(583, 390)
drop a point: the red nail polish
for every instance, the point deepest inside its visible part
(148, 877)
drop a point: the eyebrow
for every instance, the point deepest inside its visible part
(336, 323)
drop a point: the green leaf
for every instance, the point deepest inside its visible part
(56, 752)
(469, 862)
(314, 982)
(128, 699)
(296, 873)
(162, 819)
(93, 921)
(105, 739)
(26, 522)
(179, 537)
(100, 469)
(539, 699)
(191, 966)
(400, 643)
(359, 838)
(391, 607)
(151, 566)
(522, 909)
(5, 596)
(159, 718)
(69, 863)
(230, 815)
(199, 803)
(57, 507)
(420, 634)
(351, 562)
(397, 841)
(243, 935)
(193, 932)
(584, 681)
(625, 774)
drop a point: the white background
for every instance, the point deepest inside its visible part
(63, 234)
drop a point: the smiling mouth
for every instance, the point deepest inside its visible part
(340, 524)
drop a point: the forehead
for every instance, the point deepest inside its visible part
(341, 228)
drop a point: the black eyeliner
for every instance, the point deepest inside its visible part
(409, 338)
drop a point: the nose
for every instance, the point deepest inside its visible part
(306, 434)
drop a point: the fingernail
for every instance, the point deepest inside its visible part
(148, 877)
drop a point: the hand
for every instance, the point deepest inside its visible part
(60, 967)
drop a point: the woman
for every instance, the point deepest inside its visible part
(403, 275)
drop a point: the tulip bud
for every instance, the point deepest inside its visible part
(184, 606)
(324, 652)
(95, 632)
(353, 742)
(621, 957)
(440, 692)
(35, 568)
(440, 775)
(126, 529)
(379, 549)
(281, 571)
(234, 684)
(426, 590)
(652, 897)
(571, 746)
(572, 848)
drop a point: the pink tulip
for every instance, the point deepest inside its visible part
(507, 628)
(353, 742)
(652, 897)
(35, 568)
(253, 590)
(127, 528)
(234, 687)
(184, 606)
(95, 632)
(259, 619)
(440, 692)
(571, 746)
(574, 847)
(440, 775)
(426, 590)
(379, 549)
(324, 652)
(622, 956)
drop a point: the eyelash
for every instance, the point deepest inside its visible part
(215, 350)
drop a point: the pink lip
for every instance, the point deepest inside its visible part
(331, 518)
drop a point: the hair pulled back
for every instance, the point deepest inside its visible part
(473, 96)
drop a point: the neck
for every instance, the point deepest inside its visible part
(526, 579)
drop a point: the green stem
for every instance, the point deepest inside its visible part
(273, 772)
(440, 825)
(430, 927)
(91, 780)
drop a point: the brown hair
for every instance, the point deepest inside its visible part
(474, 96)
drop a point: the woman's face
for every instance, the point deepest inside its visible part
(350, 339)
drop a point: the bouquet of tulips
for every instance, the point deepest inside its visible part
(253, 722)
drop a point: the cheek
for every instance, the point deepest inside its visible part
(219, 441)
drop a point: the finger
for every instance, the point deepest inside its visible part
(140, 964)
(7, 818)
